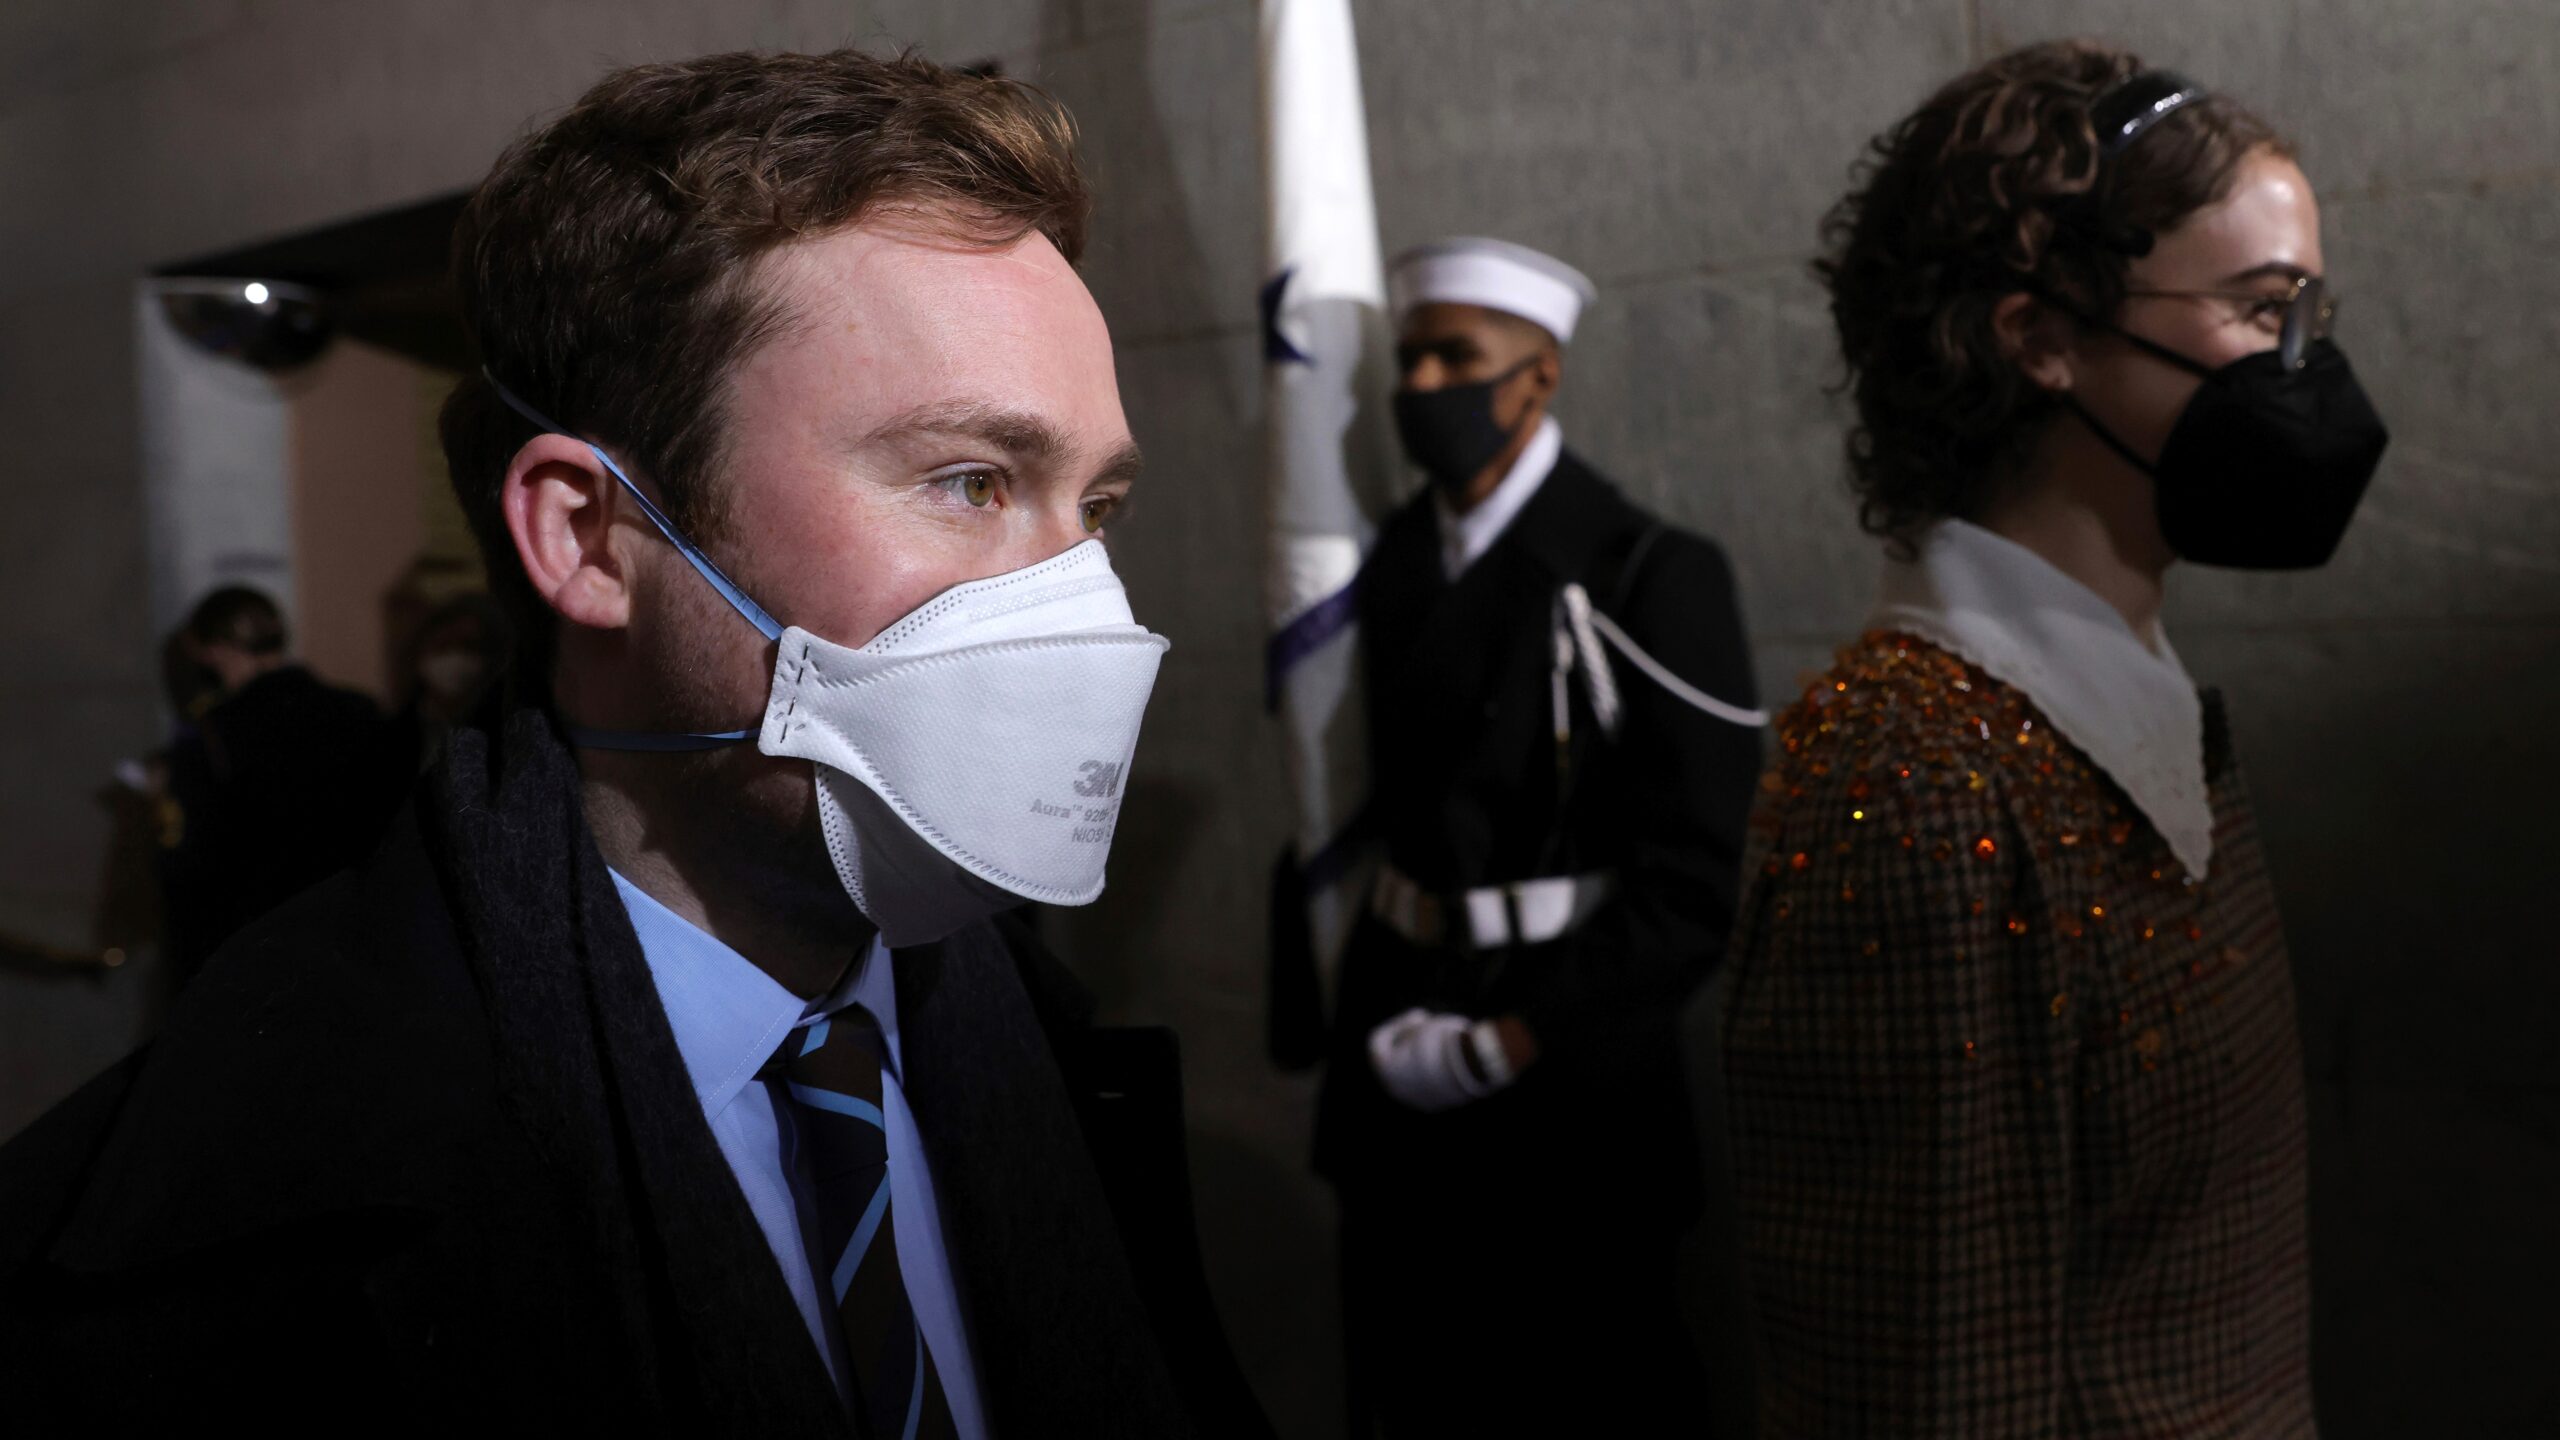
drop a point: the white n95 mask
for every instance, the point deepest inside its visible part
(975, 752)
(972, 756)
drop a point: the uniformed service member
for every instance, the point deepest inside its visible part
(1562, 752)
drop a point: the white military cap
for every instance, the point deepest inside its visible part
(1495, 274)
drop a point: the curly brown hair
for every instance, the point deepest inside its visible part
(604, 265)
(1990, 188)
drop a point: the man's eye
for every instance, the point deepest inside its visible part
(977, 487)
(1096, 511)
(2269, 307)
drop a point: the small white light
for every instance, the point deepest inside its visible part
(254, 293)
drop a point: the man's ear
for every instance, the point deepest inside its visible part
(559, 502)
(2037, 338)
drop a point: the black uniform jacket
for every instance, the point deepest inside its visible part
(418, 1155)
(1469, 789)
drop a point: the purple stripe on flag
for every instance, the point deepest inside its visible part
(1303, 637)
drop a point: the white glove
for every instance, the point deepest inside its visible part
(1423, 1059)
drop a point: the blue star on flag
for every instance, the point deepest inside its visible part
(1276, 348)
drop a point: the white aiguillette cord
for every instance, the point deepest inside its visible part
(1586, 618)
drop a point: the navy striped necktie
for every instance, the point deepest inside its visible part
(833, 1071)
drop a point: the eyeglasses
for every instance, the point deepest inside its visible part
(2309, 311)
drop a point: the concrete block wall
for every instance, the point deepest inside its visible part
(2392, 708)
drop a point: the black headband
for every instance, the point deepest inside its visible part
(2122, 114)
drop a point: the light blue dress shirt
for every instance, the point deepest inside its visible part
(729, 1017)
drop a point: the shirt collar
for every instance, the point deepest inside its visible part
(728, 1015)
(1465, 538)
(873, 985)
(2126, 704)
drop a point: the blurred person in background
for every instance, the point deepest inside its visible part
(145, 826)
(1559, 793)
(456, 662)
(274, 783)
(2016, 1092)
(665, 1071)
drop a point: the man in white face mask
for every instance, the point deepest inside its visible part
(678, 1018)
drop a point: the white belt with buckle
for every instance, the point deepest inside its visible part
(1548, 908)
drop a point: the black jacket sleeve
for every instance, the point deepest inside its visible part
(1674, 789)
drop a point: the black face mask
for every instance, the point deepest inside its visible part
(2266, 464)
(1451, 433)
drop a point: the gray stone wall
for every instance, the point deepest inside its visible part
(2393, 709)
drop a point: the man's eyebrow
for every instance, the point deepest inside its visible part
(1122, 467)
(1018, 433)
(2273, 269)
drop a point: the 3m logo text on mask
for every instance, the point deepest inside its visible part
(1101, 779)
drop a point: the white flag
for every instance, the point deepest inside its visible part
(1326, 457)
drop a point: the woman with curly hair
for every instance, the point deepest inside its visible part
(2011, 1050)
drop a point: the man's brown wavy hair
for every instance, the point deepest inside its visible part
(605, 266)
(1993, 187)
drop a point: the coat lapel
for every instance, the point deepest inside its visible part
(1401, 583)
(1443, 632)
(591, 1066)
(1568, 523)
(751, 1351)
(1430, 640)
(1061, 1339)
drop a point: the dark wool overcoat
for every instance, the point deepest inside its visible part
(417, 1155)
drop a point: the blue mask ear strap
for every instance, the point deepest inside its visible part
(643, 740)
(729, 591)
(593, 739)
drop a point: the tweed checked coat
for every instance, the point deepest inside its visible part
(2017, 1103)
